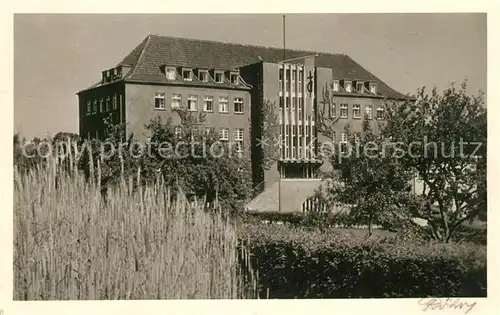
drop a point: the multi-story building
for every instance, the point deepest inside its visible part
(230, 82)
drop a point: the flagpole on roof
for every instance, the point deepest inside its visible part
(284, 39)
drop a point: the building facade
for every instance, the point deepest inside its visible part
(229, 83)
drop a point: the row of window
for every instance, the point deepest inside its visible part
(294, 79)
(203, 75)
(344, 109)
(103, 105)
(347, 85)
(356, 111)
(192, 103)
(357, 86)
(223, 135)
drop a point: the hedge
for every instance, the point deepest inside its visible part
(293, 263)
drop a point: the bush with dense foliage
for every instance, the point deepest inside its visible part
(293, 263)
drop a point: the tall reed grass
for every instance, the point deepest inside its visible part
(71, 243)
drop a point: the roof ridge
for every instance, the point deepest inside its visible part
(248, 45)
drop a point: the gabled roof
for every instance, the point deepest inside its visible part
(155, 51)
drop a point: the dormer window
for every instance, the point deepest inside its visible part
(106, 76)
(348, 86)
(187, 74)
(373, 88)
(203, 75)
(359, 87)
(170, 73)
(219, 77)
(234, 78)
(336, 86)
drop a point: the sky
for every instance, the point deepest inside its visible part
(55, 56)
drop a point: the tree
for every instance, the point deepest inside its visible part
(270, 134)
(198, 163)
(367, 178)
(445, 137)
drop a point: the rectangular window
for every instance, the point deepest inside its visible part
(195, 132)
(203, 76)
(348, 86)
(176, 101)
(336, 86)
(159, 100)
(89, 108)
(343, 137)
(178, 131)
(234, 78)
(380, 113)
(238, 138)
(369, 111)
(343, 142)
(101, 105)
(238, 105)
(192, 99)
(224, 134)
(281, 80)
(343, 111)
(209, 130)
(187, 75)
(238, 134)
(94, 109)
(281, 103)
(170, 74)
(301, 85)
(333, 110)
(208, 105)
(357, 137)
(301, 105)
(373, 88)
(359, 87)
(223, 105)
(115, 102)
(108, 103)
(356, 111)
(287, 103)
(219, 77)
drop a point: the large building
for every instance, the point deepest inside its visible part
(230, 82)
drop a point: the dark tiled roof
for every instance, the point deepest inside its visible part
(156, 51)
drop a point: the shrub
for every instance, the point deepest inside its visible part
(294, 263)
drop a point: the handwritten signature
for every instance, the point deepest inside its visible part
(440, 304)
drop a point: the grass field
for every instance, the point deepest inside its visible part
(138, 244)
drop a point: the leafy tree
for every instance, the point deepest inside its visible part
(198, 163)
(445, 137)
(177, 154)
(366, 177)
(270, 134)
(441, 139)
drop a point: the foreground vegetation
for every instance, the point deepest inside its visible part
(298, 263)
(83, 232)
(70, 243)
